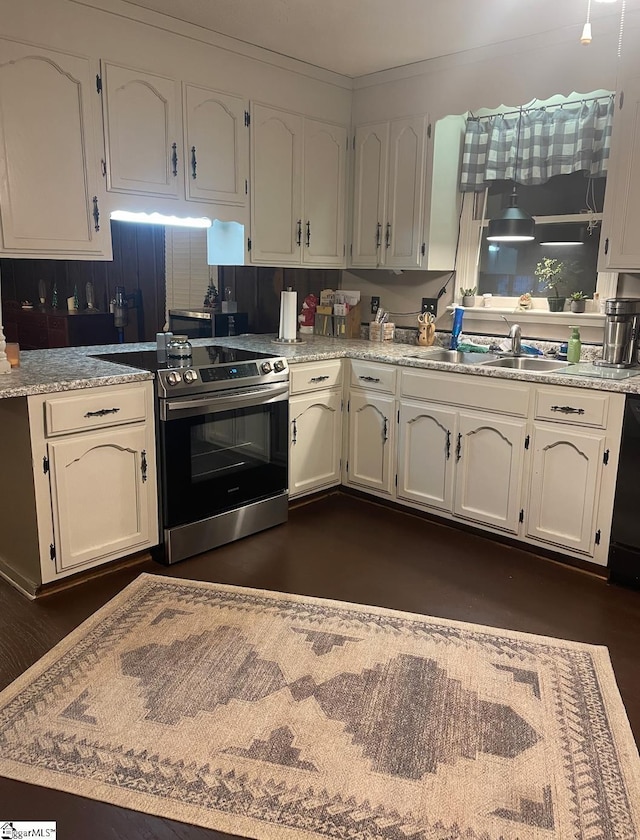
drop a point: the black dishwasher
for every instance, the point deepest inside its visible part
(624, 550)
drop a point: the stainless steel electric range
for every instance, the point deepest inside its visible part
(222, 432)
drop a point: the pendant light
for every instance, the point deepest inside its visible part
(513, 224)
(562, 234)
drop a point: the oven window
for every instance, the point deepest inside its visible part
(220, 460)
(230, 443)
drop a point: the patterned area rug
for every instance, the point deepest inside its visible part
(277, 716)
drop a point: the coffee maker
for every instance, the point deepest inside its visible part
(620, 346)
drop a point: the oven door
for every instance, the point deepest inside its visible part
(222, 451)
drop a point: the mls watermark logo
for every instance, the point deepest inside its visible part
(14, 830)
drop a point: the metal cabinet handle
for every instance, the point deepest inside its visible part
(459, 447)
(378, 232)
(369, 379)
(194, 163)
(143, 465)
(102, 412)
(318, 378)
(96, 214)
(448, 445)
(567, 409)
(299, 233)
(308, 242)
(387, 238)
(385, 431)
(174, 159)
(294, 429)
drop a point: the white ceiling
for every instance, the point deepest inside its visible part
(356, 37)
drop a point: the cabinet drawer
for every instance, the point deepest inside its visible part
(315, 375)
(94, 409)
(569, 405)
(373, 377)
(468, 391)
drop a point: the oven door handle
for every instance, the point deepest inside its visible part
(225, 401)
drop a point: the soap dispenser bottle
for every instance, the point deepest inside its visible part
(574, 346)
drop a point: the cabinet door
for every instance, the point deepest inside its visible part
(489, 456)
(216, 145)
(315, 441)
(276, 186)
(371, 441)
(103, 490)
(369, 209)
(619, 242)
(564, 489)
(50, 181)
(143, 132)
(426, 455)
(325, 148)
(405, 207)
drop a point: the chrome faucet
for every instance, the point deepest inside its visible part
(515, 334)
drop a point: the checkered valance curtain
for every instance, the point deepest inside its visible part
(556, 141)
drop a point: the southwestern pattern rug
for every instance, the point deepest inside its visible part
(279, 716)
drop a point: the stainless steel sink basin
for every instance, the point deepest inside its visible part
(455, 356)
(526, 363)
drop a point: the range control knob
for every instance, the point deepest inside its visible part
(174, 378)
(279, 365)
(190, 375)
(266, 367)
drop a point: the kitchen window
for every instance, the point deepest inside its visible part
(567, 206)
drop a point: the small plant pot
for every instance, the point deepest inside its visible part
(578, 305)
(556, 304)
(469, 300)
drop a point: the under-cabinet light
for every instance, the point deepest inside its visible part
(160, 219)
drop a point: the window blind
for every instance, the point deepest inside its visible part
(187, 273)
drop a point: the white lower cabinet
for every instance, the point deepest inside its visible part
(100, 487)
(537, 462)
(371, 441)
(467, 464)
(564, 490)
(425, 454)
(94, 476)
(315, 423)
(315, 426)
(489, 464)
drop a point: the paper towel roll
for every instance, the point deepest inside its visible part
(288, 316)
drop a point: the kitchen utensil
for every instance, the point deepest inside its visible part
(426, 329)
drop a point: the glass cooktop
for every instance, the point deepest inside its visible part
(210, 355)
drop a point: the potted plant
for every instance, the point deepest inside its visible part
(549, 272)
(577, 301)
(468, 296)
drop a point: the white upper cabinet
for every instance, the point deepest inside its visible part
(143, 132)
(404, 222)
(216, 143)
(276, 199)
(388, 219)
(51, 192)
(619, 242)
(297, 189)
(369, 207)
(323, 199)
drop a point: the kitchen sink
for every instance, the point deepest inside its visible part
(457, 357)
(526, 363)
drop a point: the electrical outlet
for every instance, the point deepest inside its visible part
(430, 305)
(375, 305)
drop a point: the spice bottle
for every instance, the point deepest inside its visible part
(574, 346)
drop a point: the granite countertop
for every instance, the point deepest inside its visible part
(48, 371)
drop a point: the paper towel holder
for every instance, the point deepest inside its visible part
(280, 340)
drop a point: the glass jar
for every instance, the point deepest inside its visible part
(179, 347)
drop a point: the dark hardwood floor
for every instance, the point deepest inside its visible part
(353, 550)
